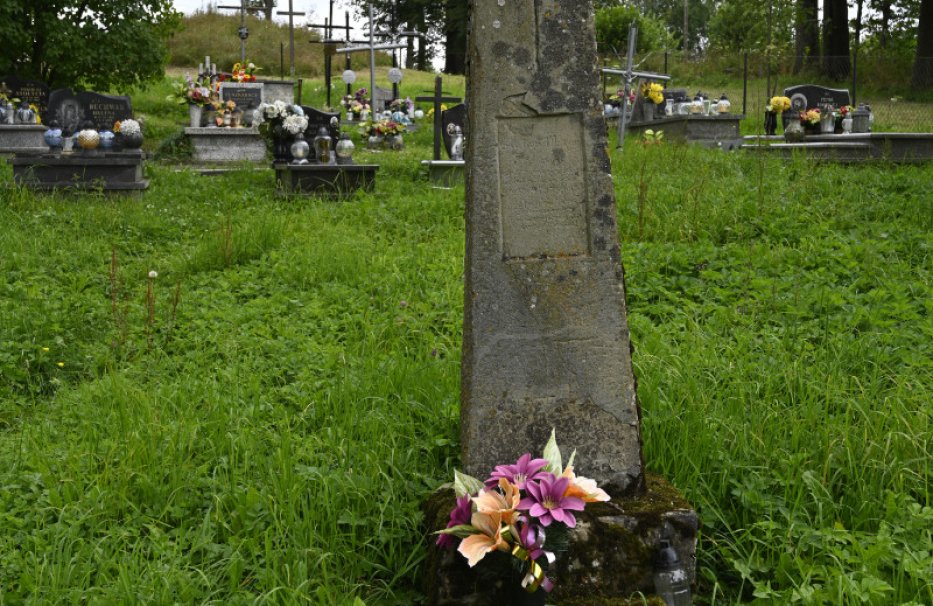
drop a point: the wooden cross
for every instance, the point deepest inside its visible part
(437, 99)
(291, 35)
(371, 46)
(330, 46)
(243, 31)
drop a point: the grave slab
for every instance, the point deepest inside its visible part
(225, 145)
(335, 181)
(106, 171)
(22, 138)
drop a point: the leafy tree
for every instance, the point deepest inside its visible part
(612, 27)
(673, 15)
(743, 25)
(836, 63)
(86, 43)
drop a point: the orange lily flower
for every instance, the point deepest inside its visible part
(583, 488)
(505, 503)
(475, 547)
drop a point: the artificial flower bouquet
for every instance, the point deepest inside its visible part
(282, 119)
(616, 98)
(521, 509)
(127, 128)
(402, 105)
(778, 104)
(190, 92)
(387, 128)
(243, 72)
(810, 117)
(653, 91)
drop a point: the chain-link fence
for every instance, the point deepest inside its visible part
(749, 80)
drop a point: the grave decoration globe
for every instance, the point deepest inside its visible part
(344, 149)
(395, 75)
(348, 76)
(53, 136)
(106, 139)
(88, 138)
(300, 150)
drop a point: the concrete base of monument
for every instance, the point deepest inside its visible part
(710, 130)
(324, 180)
(851, 148)
(22, 138)
(118, 172)
(610, 559)
(445, 174)
(213, 145)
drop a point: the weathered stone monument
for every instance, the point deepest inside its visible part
(546, 342)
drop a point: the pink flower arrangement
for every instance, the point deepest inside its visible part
(510, 511)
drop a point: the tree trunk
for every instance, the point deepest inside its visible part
(923, 63)
(836, 63)
(455, 26)
(808, 35)
(885, 10)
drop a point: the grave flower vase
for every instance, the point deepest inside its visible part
(194, 115)
(134, 141)
(770, 123)
(281, 145)
(793, 132)
(395, 142)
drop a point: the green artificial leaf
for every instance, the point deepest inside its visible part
(465, 484)
(552, 455)
(460, 530)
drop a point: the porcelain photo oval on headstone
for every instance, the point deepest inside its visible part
(348, 76)
(395, 75)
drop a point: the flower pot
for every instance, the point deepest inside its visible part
(770, 123)
(194, 115)
(134, 141)
(374, 142)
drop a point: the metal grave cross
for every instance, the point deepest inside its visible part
(243, 31)
(371, 46)
(291, 35)
(437, 99)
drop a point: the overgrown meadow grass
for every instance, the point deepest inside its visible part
(261, 421)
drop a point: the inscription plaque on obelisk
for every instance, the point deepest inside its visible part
(546, 342)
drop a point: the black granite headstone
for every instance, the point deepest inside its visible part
(71, 109)
(317, 119)
(455, 115)
(244, 96)
(809, 96)
(30, 91)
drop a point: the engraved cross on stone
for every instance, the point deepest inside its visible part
(437, 99)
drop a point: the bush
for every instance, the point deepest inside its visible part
(612, 27)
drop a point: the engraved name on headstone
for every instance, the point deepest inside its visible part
(546, 342)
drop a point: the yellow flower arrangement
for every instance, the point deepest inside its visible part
(653, 91)
(778, 104)
(811, 116)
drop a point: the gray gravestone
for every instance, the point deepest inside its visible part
(31, 91)
(546, 342)
(381, 98)
(244, 94)
(456, 115)
(809, 96)
(72, 110)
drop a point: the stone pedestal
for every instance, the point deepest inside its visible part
(609, 558)
(324, 180)
(225, 145)
(278, 90)
(22, 138)
(445, 174)
(851, 148)
(107, 171)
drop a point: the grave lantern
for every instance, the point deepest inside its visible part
(300, 150)
(348, 76)
(670, 578)
(344, 149)
(860, 120)
(395, 75)
(322, 146)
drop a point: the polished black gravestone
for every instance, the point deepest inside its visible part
(444, 174)
(32, 92)
(810, 96)
(317, 119)
(71, 110)
(120, 171)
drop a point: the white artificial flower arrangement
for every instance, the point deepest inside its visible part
(295, 124)
(129, 127)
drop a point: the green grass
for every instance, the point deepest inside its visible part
(267, 432)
